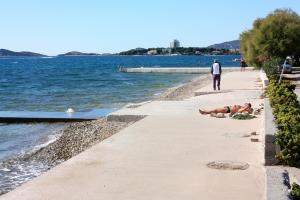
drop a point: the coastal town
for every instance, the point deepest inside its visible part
(227, 48)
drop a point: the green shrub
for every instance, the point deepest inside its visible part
(295, 191)
(276, 35)
(271, 68)
(286, 110)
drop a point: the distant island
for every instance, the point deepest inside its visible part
(225, 48)
(5, 52)
(235, 44)
(77, 53)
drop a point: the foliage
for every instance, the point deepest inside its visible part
(277, 35)
(180, 50)
(295, 191)
(243, 116)
(286, 110)
(271, 68)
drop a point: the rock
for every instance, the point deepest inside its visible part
(257, 111)
(254, 140)
(253, 133)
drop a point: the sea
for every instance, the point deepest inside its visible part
(83, 83)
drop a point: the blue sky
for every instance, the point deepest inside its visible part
(57, 26)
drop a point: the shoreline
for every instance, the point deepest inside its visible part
(173, 143)
(80, 136)
(104, 128)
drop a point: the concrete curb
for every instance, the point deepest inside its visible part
(277, 177)
(264, 78)
(270, 130)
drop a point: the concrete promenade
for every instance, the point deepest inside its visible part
(165, 155)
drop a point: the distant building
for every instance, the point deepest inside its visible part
(166, 51)
(174, 44)
(152, 52)
(216, 52)
(234, 50)
(198, 53)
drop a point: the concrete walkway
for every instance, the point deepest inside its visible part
(165, 155)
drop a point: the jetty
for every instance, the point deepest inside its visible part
(51, 117)
(185, 70)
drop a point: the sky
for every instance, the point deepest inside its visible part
(109, 26)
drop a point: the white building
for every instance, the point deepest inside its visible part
(234, 50)
(152, 52)
(174, 44)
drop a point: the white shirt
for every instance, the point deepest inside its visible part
(216, 68)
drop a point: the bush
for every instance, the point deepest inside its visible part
(295, 191)
(276, 35)
(286, 110)
(271, 68)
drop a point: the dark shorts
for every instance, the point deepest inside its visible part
(228, 109)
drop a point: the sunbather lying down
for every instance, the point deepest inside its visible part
(229, 109)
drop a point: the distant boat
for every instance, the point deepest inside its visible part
(236, 60)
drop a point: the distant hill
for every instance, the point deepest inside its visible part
(5, 52)
(77, 53)
(235, 44)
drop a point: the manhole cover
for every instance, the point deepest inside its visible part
(228, 165)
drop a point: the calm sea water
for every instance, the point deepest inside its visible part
(55, 84)
(81, 83)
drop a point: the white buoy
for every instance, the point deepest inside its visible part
(70, 110)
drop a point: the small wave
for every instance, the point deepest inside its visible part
(51, 139)
(5, 169)
(128, 83)
(15, 172)
(48, 57)
(23, 167)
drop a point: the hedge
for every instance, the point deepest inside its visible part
(286, 110)
(295, 191)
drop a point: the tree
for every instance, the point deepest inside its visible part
(275, 36)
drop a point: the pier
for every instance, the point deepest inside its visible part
(51, 117)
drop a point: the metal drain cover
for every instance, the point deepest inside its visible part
(228, 165)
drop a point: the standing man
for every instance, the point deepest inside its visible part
(216, 71)
(243, 64)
